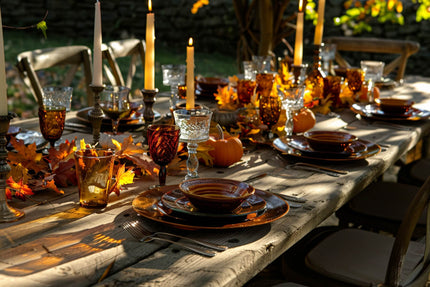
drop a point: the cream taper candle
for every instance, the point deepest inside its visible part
(97, 57)
(320, 23)
(150, 53)
(298, 47)
(3, 89)
(190, 75)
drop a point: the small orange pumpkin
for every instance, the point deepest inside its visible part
(226, 150)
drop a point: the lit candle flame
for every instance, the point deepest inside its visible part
(149, 5)
(301, 6)
(190, 42)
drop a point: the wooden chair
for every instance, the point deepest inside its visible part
(329, 256)
(381, 207)
(113, 50)
(70, 57)
(403, 48)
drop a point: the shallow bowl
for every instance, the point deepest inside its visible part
(394, 106)
(211, 83)
(216, 195)
(330, 141)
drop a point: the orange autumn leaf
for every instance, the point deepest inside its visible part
(51, 185)
(19, 189)
(227, 98)
(27, 156)
(122, 177)
(17, 172)
(127, 147)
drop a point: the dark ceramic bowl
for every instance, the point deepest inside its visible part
(394, 106)
(211, 83)
(330, 141)
(216, 195)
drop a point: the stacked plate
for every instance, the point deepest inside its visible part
(170, 206)
(299, 146)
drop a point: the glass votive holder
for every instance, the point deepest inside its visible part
(94, 169)
(262, 64)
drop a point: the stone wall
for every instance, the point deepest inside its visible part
(213, 27)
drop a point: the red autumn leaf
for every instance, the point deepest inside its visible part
(63, 153)
(65, 173)
(8, 193)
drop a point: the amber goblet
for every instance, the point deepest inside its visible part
(355, 79)
(51, 121)
(163, 143)
(270, 110)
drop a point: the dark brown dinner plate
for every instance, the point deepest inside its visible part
(134, 121)
(298, 146)
(149, 205)
(177, 202)
(373, 111)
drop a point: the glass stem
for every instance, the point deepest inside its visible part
(174, 98)
(115, 124)
(162, 175)
(370, 95)
(192, 161)
(289, 124)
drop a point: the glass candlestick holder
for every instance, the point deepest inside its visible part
(149, 97)
(96, 114)
(7, 213)
(299, 72)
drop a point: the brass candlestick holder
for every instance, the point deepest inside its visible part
(148, 112)
(7, 213)
(299, 72)
(96, 114)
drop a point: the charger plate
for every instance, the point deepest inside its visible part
(372, 111)
(149, 205)
(299, 147)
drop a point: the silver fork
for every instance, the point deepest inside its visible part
(213, 246)
(147, 236)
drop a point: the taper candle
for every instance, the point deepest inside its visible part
(150, 54)
(320, 23)
(97, 57)
(3, 89)
(190, 75)
(298, 47)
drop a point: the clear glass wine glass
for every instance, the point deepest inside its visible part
(115, 105)
(373, 73)
(292, 101)
(173, 76)
(163, 143)
(328, 52)
(194, 125)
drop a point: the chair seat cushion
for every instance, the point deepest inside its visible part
(388, 200)
(359, 257)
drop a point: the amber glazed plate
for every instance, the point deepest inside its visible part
(149, 205)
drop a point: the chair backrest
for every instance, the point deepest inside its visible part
(418, 205)
(378, 46)
(113, 50)
(29, 62)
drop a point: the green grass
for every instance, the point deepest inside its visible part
(23, 103)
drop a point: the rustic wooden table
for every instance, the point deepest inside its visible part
(59, 243)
